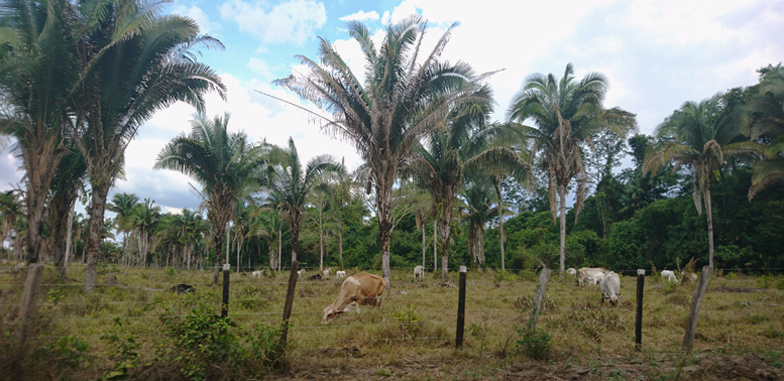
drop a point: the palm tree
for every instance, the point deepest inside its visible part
(66, 184)
(11, 209)
(442, 163)
(123, 204)
(769, 104)
(700, 136)
(290, 185)
(223, 163)
(134, 63)
(401, 100)
(478, 196)
(566, 115)
(144, 219)
(38, 72)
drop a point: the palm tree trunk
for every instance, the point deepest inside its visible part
(709, 215)
(444, 231)
(435, 245)
(294, 243)
(40, 164)
(562, 195)
(340, 243)
(424, 248)
(97, 208)
(321, 242)
(384, 200)
(69, 237)
(280, 248)
(499, 196)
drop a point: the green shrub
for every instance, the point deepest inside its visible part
(527, 275)
(503, 276)
(409, 321)
(535, 345)
(123, 349)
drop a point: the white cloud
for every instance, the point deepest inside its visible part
(361, 15)
(205, 25)
(385, 17)
(260, 67)
(291, 22)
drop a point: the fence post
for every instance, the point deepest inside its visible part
(696, 300)
(638, 323)
(226, 277)
(543, 279)
(461, 308)
(289, 301)
(28, 307)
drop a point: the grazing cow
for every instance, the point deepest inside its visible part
(611, 288)
(571, 271)
(256, 274)
(340, 274)
(300, 272)
(315, 277)
(183, 288)
(419, 273)
(362, 288)
(326, 273)
(669, 276)
(590, 275)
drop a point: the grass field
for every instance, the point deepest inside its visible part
(740, 332)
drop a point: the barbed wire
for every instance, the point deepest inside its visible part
(333, 269)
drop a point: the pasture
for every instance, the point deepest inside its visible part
(412, 337)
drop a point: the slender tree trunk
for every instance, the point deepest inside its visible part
(499, 196)
(294, 243)
(444, 230)
(435, 245)
(69, 238)
(340, 243)
(424, 248)
(384, 201)
(321, 242)
(280, 248)
(562, 195)
(709, 215)
(100, 190)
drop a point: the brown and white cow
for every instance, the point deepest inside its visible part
(362, 288)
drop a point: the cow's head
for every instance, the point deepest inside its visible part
(329, 314)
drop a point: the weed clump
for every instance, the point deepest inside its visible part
(536, 345)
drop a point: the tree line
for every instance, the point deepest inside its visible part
(79, 79)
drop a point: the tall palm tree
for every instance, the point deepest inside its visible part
(290, 185)
(223, 163)
(134, 63)
(38, 72)
(701, 136)
(145, 218)
(66, 184)
(449, 155)
(401, 100)
(566, 115)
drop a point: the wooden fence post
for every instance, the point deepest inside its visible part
(696, 300)
(638, 323)
(28, 307)
(289, 301)
(543, 279)
(461, 309)
(226, 277)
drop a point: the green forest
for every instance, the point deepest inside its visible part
(450, 175)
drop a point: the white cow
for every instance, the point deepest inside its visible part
(419, 273)
(300, 272)
(256, 274)
(689, 277)
(340, 274)
(571, 271)
(669, 276)
(326, 273)
(611, 288)
(590, 275)
(362, 288)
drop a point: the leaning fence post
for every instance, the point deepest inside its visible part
(28, 306)
(461, 308)
(638, 323)
(289, 301)
(226, 277)
(696, 300)
(543, 279)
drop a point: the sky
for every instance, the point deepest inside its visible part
(656, 54)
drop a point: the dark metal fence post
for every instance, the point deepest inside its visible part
(638, 323)
(461, 308)
(225, 305)
(289, 301)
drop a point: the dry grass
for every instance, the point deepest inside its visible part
(414, 332)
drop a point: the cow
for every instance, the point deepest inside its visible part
(361, 288)
(590, 275)
(571, 271)
(419, 273)
(183, 288)
(340, 274)
(300, 272)
(326, 274)
(315, 277)
(669, 276)
(686, 277)
(256, 274)
(611, 288)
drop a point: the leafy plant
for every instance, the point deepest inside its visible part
(409, 320)
(535, 345)
(124, 348)
(71, 352)
(503, 276)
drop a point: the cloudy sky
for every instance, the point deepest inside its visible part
(656, 54)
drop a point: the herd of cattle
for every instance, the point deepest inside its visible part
(365, 288)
